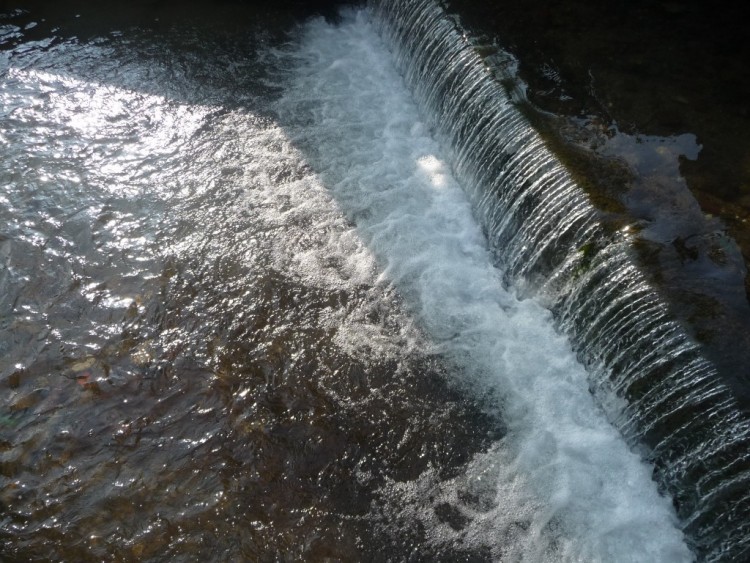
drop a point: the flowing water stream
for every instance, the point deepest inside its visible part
(268, 299)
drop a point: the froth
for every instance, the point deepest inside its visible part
(564, 482)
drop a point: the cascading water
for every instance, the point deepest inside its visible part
(552, 489)
(546, 236)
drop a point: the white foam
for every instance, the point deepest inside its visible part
(563, 467)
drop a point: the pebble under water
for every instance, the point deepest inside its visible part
(246, 313)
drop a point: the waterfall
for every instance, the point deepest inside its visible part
(658, 390)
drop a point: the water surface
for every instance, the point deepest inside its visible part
(247, 313)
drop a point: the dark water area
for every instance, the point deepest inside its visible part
(647, 103)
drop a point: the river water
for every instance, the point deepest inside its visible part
(247, 314)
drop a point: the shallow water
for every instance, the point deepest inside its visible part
(246, 313)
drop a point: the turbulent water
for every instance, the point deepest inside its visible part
(247, 312)
(549, 240)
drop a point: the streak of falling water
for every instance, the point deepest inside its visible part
(658, 389)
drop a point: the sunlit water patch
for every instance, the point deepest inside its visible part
(246, 313)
